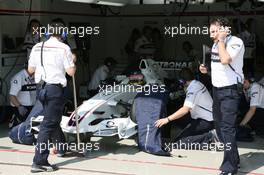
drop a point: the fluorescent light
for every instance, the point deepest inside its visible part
(209, 1)
(110, 3)
(104, 2)
(82, 1)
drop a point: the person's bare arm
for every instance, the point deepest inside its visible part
(14, 100)
(223, 54)
(71, 71)
(248, 116)
(31, 70)
(178, 114)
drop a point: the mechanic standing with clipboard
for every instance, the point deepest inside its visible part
(227, 79)
(50, 61)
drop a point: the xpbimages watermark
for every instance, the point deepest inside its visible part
(80, 31)
(187, 29)
(81, 147)
(146, 89)
(179, 145)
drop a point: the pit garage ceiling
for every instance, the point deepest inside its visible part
(134, 2)
(237, 3)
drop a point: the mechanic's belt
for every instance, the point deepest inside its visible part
(234, 86)
(58, 84)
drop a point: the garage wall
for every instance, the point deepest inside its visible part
(119, 28)
(115, 28)
(16, 11)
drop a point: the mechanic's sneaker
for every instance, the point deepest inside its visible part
(226, 173)
(215, 138)
(43, 168)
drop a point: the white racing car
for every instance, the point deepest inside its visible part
(110, 112)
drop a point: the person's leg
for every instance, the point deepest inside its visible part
(203, 126)
(196, 127)
(229, 100)
(58, 139)
(47, 127)
(197, 142)
(17, 118)
(24, 118)
(188, 130)
(53, 108)
(217, 115)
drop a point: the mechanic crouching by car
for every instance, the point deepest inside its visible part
(49, 61)
(102, 73)
(198, 102)
(22, 96)
(254, 92)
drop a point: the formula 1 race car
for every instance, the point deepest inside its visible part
(110, 112)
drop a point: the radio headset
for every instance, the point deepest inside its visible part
(57, 26)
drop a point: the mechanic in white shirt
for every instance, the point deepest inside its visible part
(50, 61)
(227, 79)
(22, 96)
(198, 102)
(101, 73)
(255, 94)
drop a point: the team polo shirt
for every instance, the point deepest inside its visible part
(23, 87)
(57, 57)
(256, 95)
(223, 75)
(199, 100)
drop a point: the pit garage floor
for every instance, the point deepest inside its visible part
(117, 157)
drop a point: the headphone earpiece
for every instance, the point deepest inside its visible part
(47, 35)
(64, 36)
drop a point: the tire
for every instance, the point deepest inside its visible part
(133, 112)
